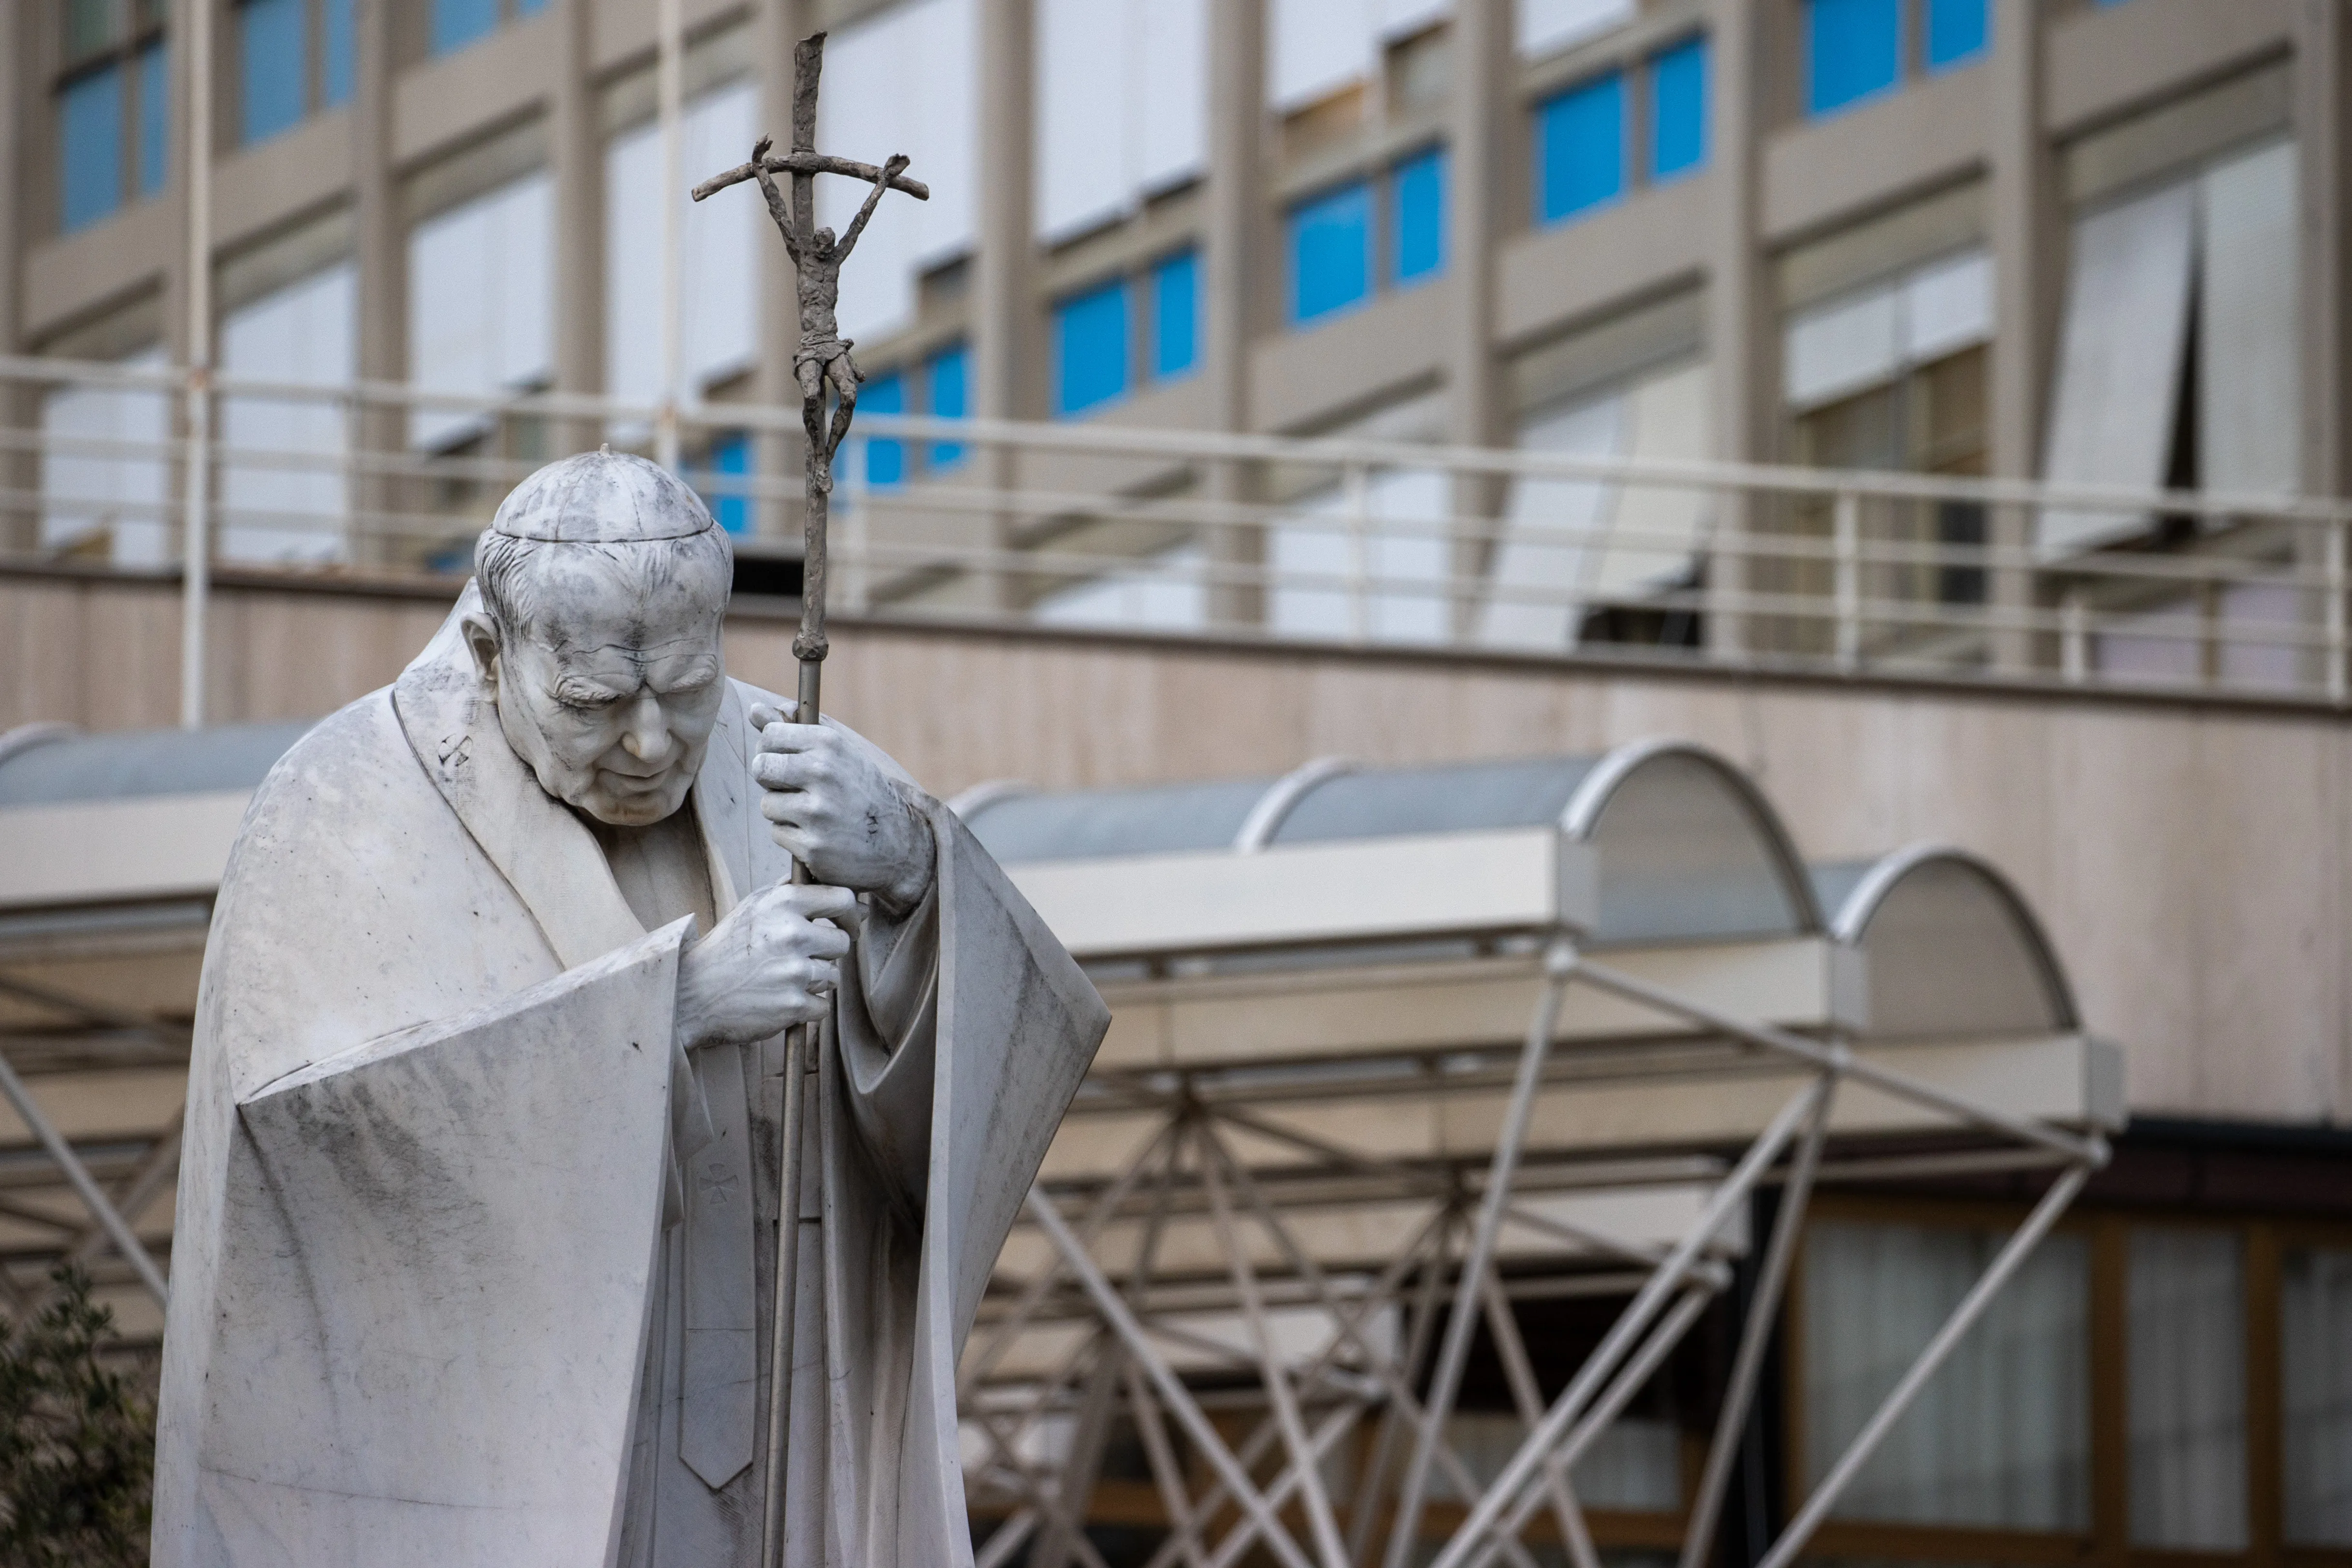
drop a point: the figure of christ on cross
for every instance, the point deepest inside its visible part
(823, 359)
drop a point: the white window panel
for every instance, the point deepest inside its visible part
(1167, 63)
(2119, 359)
(1316, 47)
(1169, 593)
(1548, 26)
(119, 494)
(1555, 568)
(1836, 350)
(1399, 555)
(1403, 19)
(480, 293)
(1122, 107)
(2250, 405)
(1948, 306)
(302, 333)
(1083, 162)
(718, 251)
(904, 80)
(1660, 528)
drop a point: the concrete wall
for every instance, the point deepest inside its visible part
(2189, 859)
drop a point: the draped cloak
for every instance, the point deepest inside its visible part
(462, 1271)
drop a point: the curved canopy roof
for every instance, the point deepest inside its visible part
(1952, 947)
(49, 766)
(1687, 850)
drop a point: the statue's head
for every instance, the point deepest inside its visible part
(604, 583)
(822, 242)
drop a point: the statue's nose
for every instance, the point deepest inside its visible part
(647, 736)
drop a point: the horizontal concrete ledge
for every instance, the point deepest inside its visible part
(1417, 886)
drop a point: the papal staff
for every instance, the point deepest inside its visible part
(822, 366)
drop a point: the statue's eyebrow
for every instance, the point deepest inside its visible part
(700, 673)
(585, 693)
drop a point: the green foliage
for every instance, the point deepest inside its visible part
(77, 1440)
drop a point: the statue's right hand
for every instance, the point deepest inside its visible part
(774, 961)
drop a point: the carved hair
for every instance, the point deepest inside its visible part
(511, 570)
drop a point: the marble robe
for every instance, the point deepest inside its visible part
(463, 1272)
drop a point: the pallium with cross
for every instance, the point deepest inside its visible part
(822, 367)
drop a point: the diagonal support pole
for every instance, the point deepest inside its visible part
(93, 1197)
(1172, 1391)
(1631, 1324)
(2011, 1258)
(1755, 1339)
(1319, 1520)
(1446, 1382)
(1504, 1329)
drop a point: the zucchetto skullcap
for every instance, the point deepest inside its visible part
(601, 499)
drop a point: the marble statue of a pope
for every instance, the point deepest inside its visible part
(474, 1257)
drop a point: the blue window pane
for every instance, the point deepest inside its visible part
(948, 375)
(154, 117)
(1419, 242)
(273, 55)
(885, 460)
(1581, 148)
(1957, 32)
(89, 144)
(730, 457)
(1090, 357)
(456, 23)
(340, 53)
(1678, 110)
(1854, 49)
(529, 7)
(1175, 308)
(1331, 252)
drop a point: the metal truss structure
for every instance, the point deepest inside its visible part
(1277, 1294)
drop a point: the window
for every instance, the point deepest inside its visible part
(731, 458)
(1853, 51)
(885, 460)
(112, 108)
(340, 53)
(2187, 1331)
(276, 53)
(2315, 1377)
(272, 55)
(2000, 1437)
(458, 23)
(154, 115)
(1417, 240)
(1175, 305)
(1581, 148)
(946, 371)
(1856, 49)
(1090, 356)
(1331, 252)
(1957, 32)
(89, 120)
(1677, 109)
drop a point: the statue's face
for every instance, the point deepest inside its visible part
(610, 694)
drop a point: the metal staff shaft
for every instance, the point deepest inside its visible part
(803, 1044)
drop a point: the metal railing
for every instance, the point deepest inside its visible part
(1180, 533)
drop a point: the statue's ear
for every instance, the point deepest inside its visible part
(482, 640)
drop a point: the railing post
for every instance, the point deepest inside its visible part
(1848, 547)
(2074, 637)
(1356, 488)
(2332, 580)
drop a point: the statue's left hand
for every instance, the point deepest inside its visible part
(838, 814)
